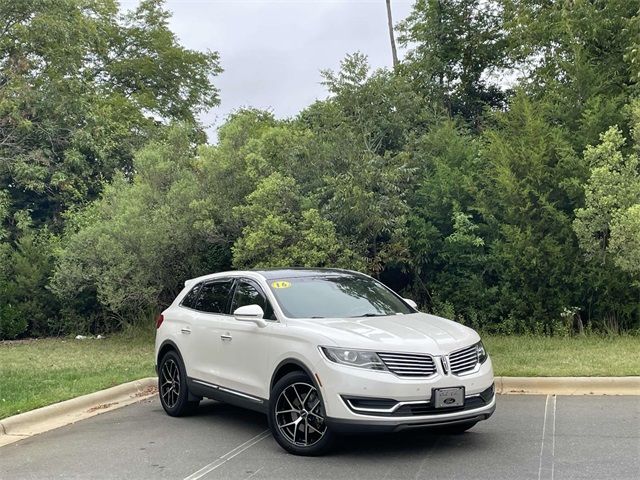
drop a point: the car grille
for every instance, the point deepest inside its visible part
(463, 360)
(408, 364)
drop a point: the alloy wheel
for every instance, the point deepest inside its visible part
(299, 415)
(170, 386)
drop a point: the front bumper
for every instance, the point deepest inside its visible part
(359, 400)
(376, 426)
(429, 417)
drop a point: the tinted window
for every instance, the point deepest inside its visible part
(247, 294)
(190, 298)
(336, 297)
(214, 297)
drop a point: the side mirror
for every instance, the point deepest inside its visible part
(250, 313)
(411, 303)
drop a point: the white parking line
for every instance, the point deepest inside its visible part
(544, 425)
(228, 456)
(550, 457)
(553, 439)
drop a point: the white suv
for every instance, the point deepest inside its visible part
(320, 352)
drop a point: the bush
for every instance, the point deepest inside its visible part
(132, 249)
(12, 323)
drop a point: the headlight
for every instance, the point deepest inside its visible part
(354, 358)
(482, 353)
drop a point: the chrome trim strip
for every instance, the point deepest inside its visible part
(400, 356)
(382, 410)
(464, 359)
(206, 384)
(460, 349)
(395, 407)
(233, 392)
(405, 365)
(436, 417)
(475, 369)
(407, 362)
(227, 390)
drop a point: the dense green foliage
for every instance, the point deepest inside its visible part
(493, 176)
(82, 86)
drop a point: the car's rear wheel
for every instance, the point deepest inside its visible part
(172, 386)
(297, 416)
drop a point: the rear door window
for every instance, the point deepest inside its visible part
(214, 296)
(190, 298)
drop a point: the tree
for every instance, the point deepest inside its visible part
(632, 54)
(573, 58)
(613, 189)
(11, 324)
(224, 169)
(608, 225)
(279, 233)
(25, 303)
(531, 188)
(360, 132)
(455, 47)
(82, 87)
(375, 220)
(625, 241)
(448, 255)
(129, 251)
(483, 203)
(369, 111)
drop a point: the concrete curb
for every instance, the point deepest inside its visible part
(59, 414)
(568, 385)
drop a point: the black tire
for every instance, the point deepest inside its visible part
(307, 434)
(172, 386)
(456, 428)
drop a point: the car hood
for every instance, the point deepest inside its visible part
(417, 332)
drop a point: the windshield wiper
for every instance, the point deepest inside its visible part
(370, 315)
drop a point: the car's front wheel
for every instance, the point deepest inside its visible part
(172, 386)
(297, 416)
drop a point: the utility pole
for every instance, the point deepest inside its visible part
(394, 52)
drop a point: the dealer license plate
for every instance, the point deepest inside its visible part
(448, 397)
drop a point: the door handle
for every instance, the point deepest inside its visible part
(225, 338)
(186, 331)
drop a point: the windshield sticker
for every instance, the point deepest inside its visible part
(281, 284)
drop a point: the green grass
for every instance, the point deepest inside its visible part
(587, 356)
(35, 373)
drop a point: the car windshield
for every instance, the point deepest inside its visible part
(335, 297)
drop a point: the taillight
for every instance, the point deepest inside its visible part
(159, 320)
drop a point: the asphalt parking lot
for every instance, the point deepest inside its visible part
(529, 437)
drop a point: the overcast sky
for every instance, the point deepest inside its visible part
(272, 51)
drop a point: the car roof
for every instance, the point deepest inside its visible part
(276, 273)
